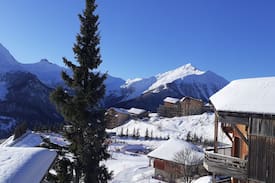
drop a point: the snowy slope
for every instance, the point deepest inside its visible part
(130, 168)
(170, 76)
(113, 85)
(46, 71)
(177, 127)
(135, 87)
(7, 61)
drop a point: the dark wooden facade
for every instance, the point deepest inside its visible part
(116, 117)
(253, 141)
(261, 166)
(170, 171)
(184, 107)
(190, 106)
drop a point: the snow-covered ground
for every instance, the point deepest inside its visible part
(177, 127)
(129, 161)
(129, 167)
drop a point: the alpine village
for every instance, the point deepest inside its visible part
(77, 124)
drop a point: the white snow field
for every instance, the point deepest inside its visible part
(177, 127)
(128, 161)
(130, 167)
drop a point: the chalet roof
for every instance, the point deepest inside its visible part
(120, 110)
(169, 150)
(255, 95)
(171, 100)
(22, 165)
(184, 98)
(136, 111)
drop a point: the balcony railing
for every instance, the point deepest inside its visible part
(225, 165)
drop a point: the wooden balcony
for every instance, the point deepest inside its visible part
(225, 165)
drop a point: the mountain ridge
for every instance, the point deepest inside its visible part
(145, 93)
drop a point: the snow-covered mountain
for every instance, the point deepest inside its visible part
(7, 61)
(186, 80)
(26, 99)
(168, 77)
(182, 81)
(46, 71)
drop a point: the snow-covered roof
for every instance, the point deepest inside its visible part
(29, 139)
(171, 148)
(23, 165)
(184, 98)
(57, 139)
(136, 111)
(171, 100)
(255, 95)
(120, 110)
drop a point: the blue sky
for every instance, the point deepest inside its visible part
(141, 38)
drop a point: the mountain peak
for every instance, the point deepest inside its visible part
(186, 69)
(7, 61)
(44, 60)
(172, 75)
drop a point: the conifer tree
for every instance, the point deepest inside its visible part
(80, 104)
(146, 136)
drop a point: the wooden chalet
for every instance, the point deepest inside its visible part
(190, 106)
(170, 107)
(171, 163)
(180, 107)
(116, 117)
(246, 110)
(137, 113)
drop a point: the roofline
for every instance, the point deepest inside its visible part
(246, 114)
(174, 161)
(51, 165)
(243, 114)
(189, 97)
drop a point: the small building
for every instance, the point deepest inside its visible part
(175, 159)
(246, 110)
(137, 113)
(170, 107)
(173, 107)
(116, 117)
(191, 106)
